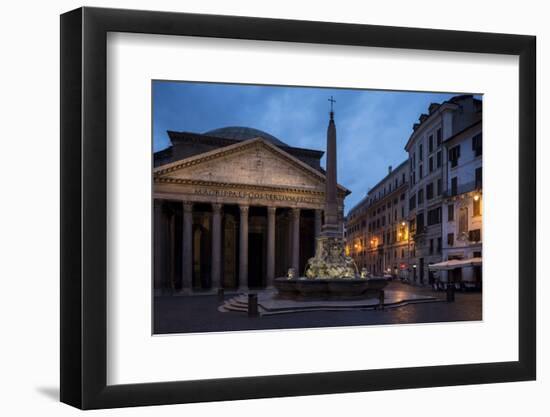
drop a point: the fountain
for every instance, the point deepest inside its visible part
(330, 274)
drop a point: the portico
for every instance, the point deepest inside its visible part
(235, 218)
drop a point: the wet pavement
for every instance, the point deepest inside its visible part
(199, 313)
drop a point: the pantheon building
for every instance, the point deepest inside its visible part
(234, 208)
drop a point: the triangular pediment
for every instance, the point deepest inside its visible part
(252, 162)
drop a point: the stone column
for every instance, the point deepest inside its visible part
(318, 222)
(172, 239)
(158, 242)
(187, 255)
(296, 240)
(270, 275)
(243, 249)
(216, 245)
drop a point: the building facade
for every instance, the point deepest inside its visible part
(428, 178)
(463, 206)
(377, 228)
(443, 169)
(234, 208)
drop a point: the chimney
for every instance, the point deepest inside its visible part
(389, 170)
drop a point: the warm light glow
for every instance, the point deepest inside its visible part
(403, 224)
(476, 197)
(400, 234)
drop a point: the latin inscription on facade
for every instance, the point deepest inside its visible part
(253, 195)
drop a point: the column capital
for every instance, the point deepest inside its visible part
(271, 210)
(216, 207)
(243, 208)
(295, 211)
(187, 206)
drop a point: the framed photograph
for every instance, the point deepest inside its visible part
(257, 208)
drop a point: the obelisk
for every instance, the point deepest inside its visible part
(330, 228)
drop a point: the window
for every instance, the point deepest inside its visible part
(454, 186)
(403, 179)
(474, 235)
(402, 211)
(431, 246)
(420, 196)
(479, 177)
(420, 222)
(431, 164)
(431, 143)
(450, 212)
(477, 207)
(420, 156)
(434, 216)
(450, 239)
(412, 202)
(396, 183)
(438, 135)
(463, 220)
(454, 154)
(430, 191)
(438, 245)
(477, 145)
(402, 197)
(420, 172)
(439, 190)
(438, 159)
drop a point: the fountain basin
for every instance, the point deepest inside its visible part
(341, 288)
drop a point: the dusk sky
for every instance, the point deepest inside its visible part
(372, 126)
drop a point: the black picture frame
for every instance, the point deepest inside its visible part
(84, 207)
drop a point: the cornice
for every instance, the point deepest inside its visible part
(202, 183)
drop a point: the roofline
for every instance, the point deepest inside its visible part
(430, 118)
(450, 138)
(388, 175)
(451, 101)
(228, 141)
(362, 201)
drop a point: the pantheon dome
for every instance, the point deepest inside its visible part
(243, 133)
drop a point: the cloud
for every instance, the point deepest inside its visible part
(372, 126)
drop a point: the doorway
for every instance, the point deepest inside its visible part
(256, 258)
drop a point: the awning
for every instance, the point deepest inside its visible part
(455, 263)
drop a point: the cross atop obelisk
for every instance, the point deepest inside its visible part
(330, 228)
(332, 101)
